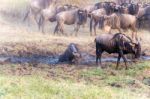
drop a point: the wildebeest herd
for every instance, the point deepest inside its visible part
(108, 15)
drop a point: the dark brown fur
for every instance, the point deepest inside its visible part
(71, 54)
(116, 43)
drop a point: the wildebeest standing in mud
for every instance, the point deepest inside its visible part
(116, 43)
(121, 21)
(36, 6)
(77, 17)
(71, 54)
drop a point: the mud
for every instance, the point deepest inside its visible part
(49, 60)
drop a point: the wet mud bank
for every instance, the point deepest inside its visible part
(50, 60)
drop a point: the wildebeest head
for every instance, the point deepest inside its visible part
(75, 52)
(128, 46)
(121, 9)
(132, 8)
(137, 49)
(108, 6)
(82, 16)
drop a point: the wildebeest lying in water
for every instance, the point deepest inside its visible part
(116, 43)
(71, 54)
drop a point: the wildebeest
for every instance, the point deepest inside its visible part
(49, 14)
(121, 21)
(108, 6)
(35, 7)
(71, 54)
(116, 43)
(89, 9)
(144, 16)
(123, 1)
(77, 17)
(97, 17)
(131, 8)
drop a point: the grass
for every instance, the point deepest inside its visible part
(92, 83)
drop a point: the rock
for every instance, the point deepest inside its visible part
(146, 81)
(116, 85)
(131, 82)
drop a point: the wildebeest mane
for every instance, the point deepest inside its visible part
(118, 34)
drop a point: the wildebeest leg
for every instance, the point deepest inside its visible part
(96, 22)
(125, 61)
(56, 29)
(26, 15)
(43, 26)
(109, 31)
(61, 27)
(91, 25)
(35, 15)
(100, 22)
(77, 29)
(42, 23)
(98, 54)
(98, 57)
(118, 61)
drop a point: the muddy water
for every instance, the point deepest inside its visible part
(88, 59)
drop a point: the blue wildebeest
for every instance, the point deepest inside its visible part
(71, 54)
(116, 43)
(121, 21)
(97, 17)
(76, 16)
(49, 14)
(36, 6)
(144, 16)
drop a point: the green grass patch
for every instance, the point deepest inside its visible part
(35, 87)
